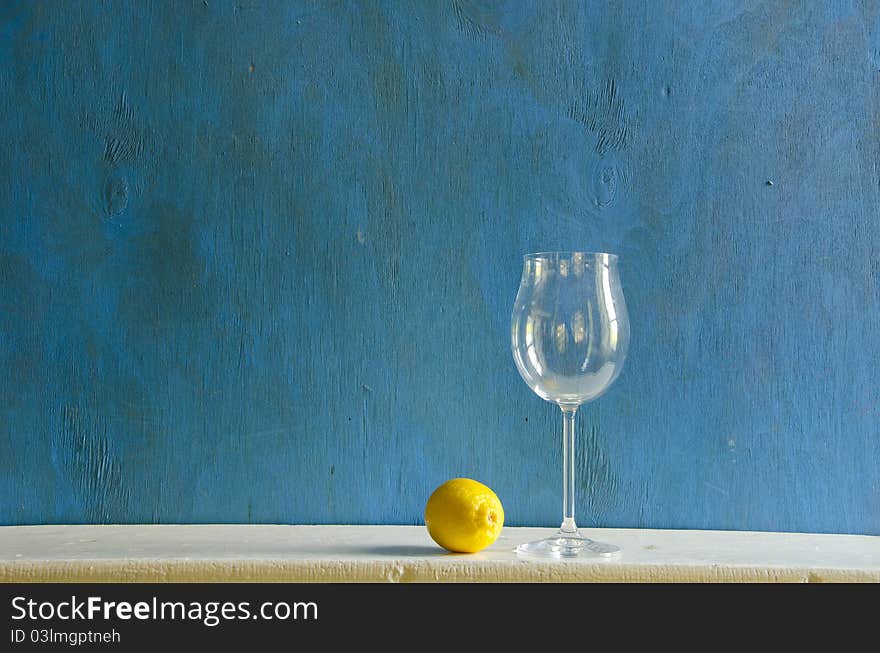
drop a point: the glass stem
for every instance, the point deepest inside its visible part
(568, 524)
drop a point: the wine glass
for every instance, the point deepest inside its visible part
(569, 336)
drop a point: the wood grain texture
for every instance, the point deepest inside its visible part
(257, 259)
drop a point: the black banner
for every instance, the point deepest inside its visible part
(128, 617)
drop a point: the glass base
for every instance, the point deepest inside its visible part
(567, 545)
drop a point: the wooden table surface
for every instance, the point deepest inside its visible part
(255, 553)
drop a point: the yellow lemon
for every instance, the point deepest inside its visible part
(464, 516)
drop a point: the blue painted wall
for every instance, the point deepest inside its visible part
(257, 259)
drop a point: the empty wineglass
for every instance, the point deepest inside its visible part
(569, 335)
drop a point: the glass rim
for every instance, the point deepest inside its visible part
(568, 254)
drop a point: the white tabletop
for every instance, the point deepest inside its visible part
(253, 553)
